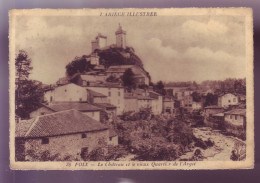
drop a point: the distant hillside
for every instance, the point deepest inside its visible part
(119, 56)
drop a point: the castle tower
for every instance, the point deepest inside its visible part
(120, 37)
(99, 42)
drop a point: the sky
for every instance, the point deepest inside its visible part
(172, 48)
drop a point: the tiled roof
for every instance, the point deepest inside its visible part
(218, 114)
(80, 106)
(119, 68)
(144, 98)
(105, 105)
(107, 85)
(96, 94)
(62, 123)
(213, 107)
(237, 111)
(226, 94)
(99, 67)
(23, 126)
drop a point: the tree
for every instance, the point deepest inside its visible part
(78, 65)
(196, 97)
(128, 79)
(22, 65)
(28, 93)
(23, 68)
(211, 100)
(159, 88)
(239, 87)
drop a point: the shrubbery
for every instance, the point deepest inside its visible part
(143, 114)
(237, 131)
(154, 138)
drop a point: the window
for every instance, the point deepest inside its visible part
(88, 83)
(229, 101)
(51, 99)
(84, 152)
(234, 100)
(42, 113)
(230, 116)
(65, 90)
(83, 135)
(235, 117)
(110, 138)
(45, 140)
(109, 93)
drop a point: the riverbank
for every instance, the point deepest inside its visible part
(220, 151)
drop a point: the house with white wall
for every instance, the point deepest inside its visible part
(236, 117)
(227, 99)
(66, 93)
(114, 93)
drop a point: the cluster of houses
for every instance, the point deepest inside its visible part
(77, 112)
(230, 108)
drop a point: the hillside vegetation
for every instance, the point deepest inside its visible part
(107, 57)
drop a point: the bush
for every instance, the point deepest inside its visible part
(143, 114)
(237, 131)
(200, 143)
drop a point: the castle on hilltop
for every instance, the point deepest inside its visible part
(101, 40)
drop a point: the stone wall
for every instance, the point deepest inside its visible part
(67, 145)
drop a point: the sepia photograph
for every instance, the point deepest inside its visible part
(124, 89)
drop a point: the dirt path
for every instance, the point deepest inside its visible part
(220, 151)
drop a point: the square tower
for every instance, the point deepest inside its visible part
(99, 42)
(120, 37)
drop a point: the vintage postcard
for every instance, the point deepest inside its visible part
(131, 89)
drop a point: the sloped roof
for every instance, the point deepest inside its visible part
(99, 67)
(62, 123)
(226, 94)
(23, 126)
(105, 105)
(119, 68)
(96, 94)
(237, 111)
(107, 85)
(144, 98)
(218, 114)
(80, 106)
(213, 107)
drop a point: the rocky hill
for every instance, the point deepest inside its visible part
(108, 57)
(118, 56)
